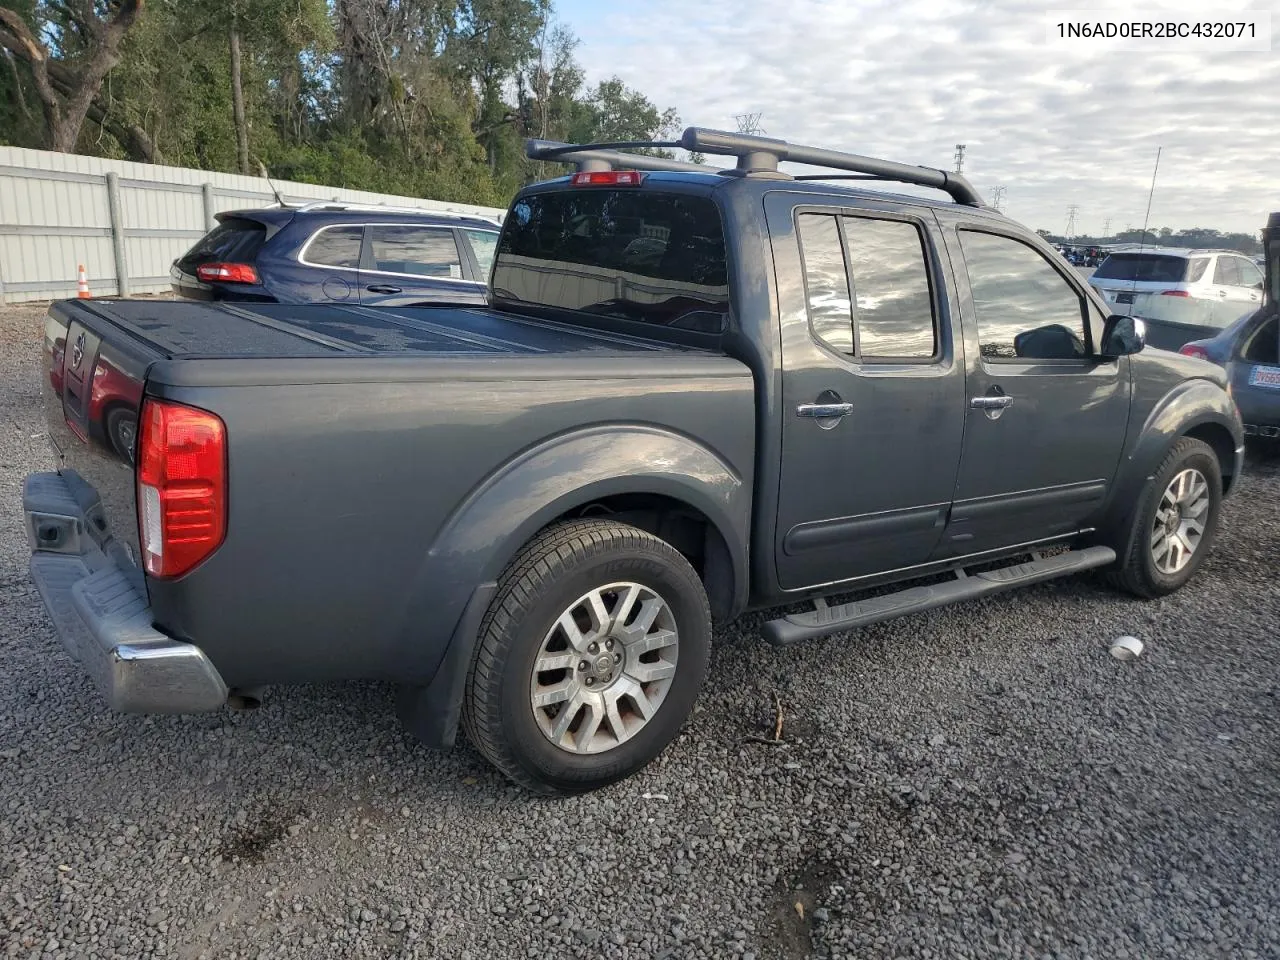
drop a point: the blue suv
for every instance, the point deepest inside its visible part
(339, 253)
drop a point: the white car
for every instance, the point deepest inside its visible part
(1183, 294)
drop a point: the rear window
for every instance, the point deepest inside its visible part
(234, 240)
(1143, 268)
(632, 254)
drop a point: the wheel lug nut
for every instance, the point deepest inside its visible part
(591, 681)
(594, 648)
(617, 658)
(583, 665)
(608, 644)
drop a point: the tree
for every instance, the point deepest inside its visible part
(68, 76)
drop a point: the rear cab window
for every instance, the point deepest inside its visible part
(637, 254)
(1145, 268)
(234, 240)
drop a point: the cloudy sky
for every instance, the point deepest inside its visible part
(909, 79)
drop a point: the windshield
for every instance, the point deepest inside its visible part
(633, 254)
(1142, 268)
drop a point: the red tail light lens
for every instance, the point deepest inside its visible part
(227, 272)
(1174, 293)
(182, 486)
(607, 178)
(1192, 350)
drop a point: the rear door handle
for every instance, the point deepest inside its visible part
(824, 411)
(382, 288)
(991, 403)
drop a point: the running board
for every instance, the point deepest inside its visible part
(826, 620)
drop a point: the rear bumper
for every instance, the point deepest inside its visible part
(97, 601)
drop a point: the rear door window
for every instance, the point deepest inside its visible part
(826, 281)
(1143, 268)
(1226, 272)
(633, 254)
(335, 247)
(893, 307)
(234, 240)
(1195, 269)
(415, 251)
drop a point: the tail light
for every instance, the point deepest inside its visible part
(182, 486)
(1194, 350)
(227, 272)
(607, 178)
(1174, 293)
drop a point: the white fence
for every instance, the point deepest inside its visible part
(127, 222)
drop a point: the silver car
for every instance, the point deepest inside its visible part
(1183, 294)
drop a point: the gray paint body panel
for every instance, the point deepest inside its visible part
(385, 465)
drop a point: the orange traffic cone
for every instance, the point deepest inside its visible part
(82, 285)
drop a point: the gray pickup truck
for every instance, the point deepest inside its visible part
(694, 392)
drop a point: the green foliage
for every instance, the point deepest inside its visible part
(428, 98)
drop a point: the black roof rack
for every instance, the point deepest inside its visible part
(757, 157)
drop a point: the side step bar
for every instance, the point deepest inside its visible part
(826, 620)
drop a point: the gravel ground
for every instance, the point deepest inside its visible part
(981, 781)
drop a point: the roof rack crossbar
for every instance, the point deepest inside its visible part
(756, 156)
(597, 157)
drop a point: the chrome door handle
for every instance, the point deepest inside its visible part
(991, 403)
(824, 411)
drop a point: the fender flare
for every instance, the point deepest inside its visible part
(457, 579)
(1192, 405)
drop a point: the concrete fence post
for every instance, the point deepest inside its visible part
(117, 233)
(206, 191)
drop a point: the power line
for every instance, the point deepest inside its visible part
(959, 157)
(997, 197)
(749, 123)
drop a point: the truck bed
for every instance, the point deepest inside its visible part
(188, 329)
(375, 457)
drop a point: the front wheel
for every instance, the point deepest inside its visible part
(589, 659)
(1174, 524)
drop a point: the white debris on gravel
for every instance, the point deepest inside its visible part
(951, 785)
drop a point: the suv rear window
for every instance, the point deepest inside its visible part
(633, 254)
(234, 240)
(1143, 268)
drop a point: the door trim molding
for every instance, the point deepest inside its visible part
(819, 534)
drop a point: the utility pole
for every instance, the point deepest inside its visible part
(997, 197)
(959, 157)
(1072, 210)
(1106, 227)
(749, 123)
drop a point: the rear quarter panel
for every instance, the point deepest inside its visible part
(369, 496)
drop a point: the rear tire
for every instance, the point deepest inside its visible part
(589, 658)
(1173, 527)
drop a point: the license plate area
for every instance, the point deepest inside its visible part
(1261, 376)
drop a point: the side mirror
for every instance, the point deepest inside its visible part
(1122, 336)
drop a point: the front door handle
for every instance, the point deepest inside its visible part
(991, 402)
(824, 411)
(382, 288)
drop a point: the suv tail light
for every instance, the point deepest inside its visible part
(1174, 293)
(607, 178)
(227, 272)
(182, 486)
(1194, 350)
